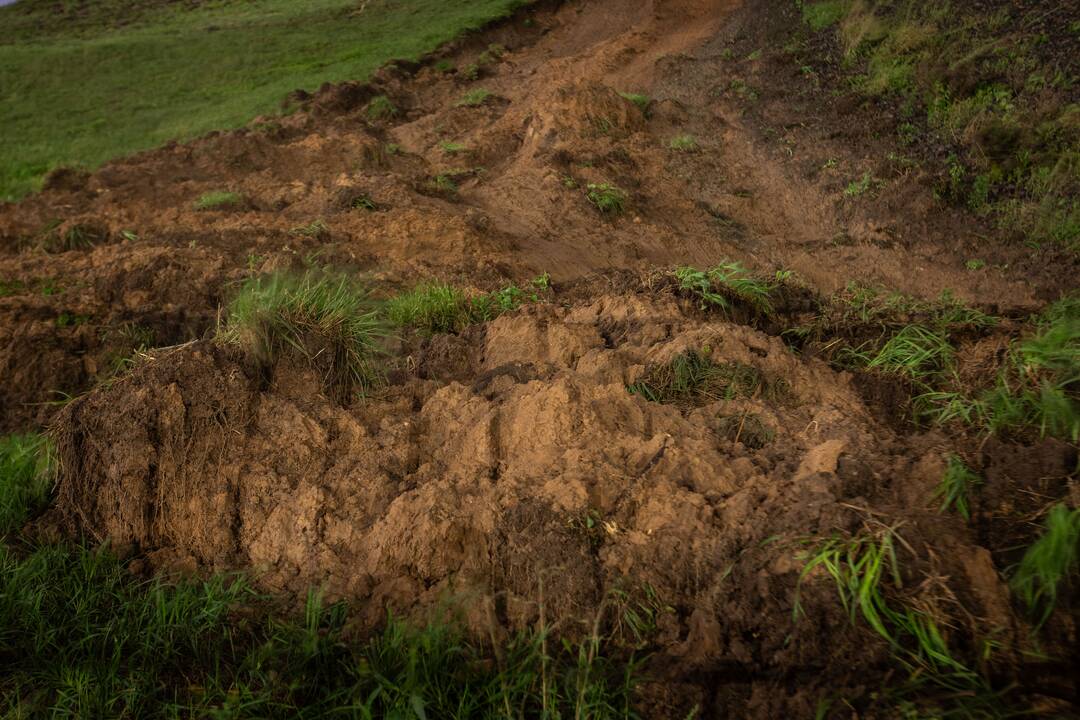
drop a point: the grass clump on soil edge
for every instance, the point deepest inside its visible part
(955, 487)
(90, 59)
(432, 308)
(326, 319)
(219, 200)
(1038, 389)
(692, 378)
(729, 282)
(869, 581)
(1050, 562)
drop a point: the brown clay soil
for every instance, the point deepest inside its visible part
(509, 462)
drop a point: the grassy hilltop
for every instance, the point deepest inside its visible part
(81, 82)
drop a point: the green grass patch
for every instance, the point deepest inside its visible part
(325, 319)
(474, 98)
(26, 478)
(867, 575)
(1049, 563)
(638, 99)
(443, 183)
(380, 108)
(219, 200)
(83, 83)
(363, 202)
(440, 308)
(691, 378)
(863, 185)
(83, 638)
(823, 13)
(1038, 389)
(1007, 139)
(313, 229)
(727, 283)
(954, 490)
(683, 143)
(916, 351)
(608, 199)
(452, 148)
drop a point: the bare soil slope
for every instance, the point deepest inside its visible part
(509, 463)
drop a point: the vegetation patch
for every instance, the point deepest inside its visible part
(683, 143)
(914, 623)
(363, 202)
(325, 319)
(984, 93)
(314, 229)
(1049, 563)
(92, 58)
(83, 638)
(608, 199)
(380, 108)
(220, 200)
(474, 98)
(78, 236)
(1038, 387)
(954, 490)
(693, 379)
(638, 99)
(728, 283)
(439, 308)
(916, 352)
(26, 479)
(452, 148)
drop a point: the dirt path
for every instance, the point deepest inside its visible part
(511, 457)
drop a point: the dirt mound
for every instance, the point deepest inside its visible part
(68, 319)
(539, 473)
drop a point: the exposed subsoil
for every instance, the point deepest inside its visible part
(509, 463)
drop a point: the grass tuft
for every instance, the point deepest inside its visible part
(692, 379)
(608, 199)
(314, 229)
(380, 108)
(720, 285)
(430, 308)
(1049, 562)
(683, 143)
(452, 148)
(26, 477)
(474, 98)
(439, 308)
(325, 319)
(820, 14)
(1038, 389)
(868, 579)
(916, 351)
(363, 202)
(638, 99)
(955, 487)
(219, 200)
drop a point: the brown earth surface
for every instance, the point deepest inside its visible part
(508, 462)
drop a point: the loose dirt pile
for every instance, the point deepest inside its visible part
(509, 462)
